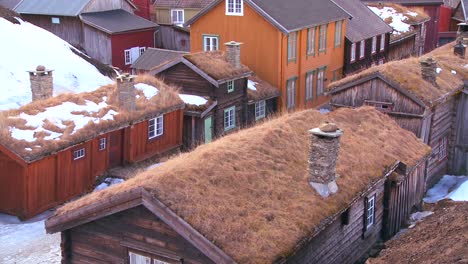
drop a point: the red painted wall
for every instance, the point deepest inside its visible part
(143, 8)
(122, 42)
(444, 19)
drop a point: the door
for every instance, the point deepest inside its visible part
(115, 149)
(208, 128)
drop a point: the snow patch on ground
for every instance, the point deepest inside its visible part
(449, 187)
(193, 99)
(397, 18)
(324, 111)
(28, 46)
(108, 182)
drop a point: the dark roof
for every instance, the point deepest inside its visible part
(51, 7)
(116, 21)
(182, 3)
(364, 24)
(154, 57)
(9, 3)
(291, 15)
(409, 2)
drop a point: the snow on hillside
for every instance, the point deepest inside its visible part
(449, 187)
(23, 47)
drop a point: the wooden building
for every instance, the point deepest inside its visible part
(231, 97)
(408, 36)
(251, 197)
(176, 12)
(367, 38)
(51, 150)
(172, 37)
(422, 95)
(143, 8)
(107, 31)
(297, 45)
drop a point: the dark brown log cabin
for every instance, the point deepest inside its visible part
(47, 158)
(258, 196)
(422, 96)
(367, 38)
(233, 97)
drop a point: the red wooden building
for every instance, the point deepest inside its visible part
(143, 8)
(53, 149)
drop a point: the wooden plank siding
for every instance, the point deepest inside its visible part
(12, 186)
(105, 5)
(69, 28)
(110, 239)
(403, 48)
(369, 59)
(173, 38)
(97, 44)
(460, 153)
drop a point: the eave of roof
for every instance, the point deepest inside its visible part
(117, 21)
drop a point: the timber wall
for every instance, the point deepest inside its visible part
(369, 59)
(69, 28)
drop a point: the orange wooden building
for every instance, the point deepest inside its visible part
(53, 149)
(296, 45)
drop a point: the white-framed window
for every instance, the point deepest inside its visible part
(310, 80)
(362, 49)
(229, 118)
(177, 16)
(322, 38)
(370, 212)
(230, 86)
(338, 32)
(374, 44)
(135, 258)
(155, 127)
(381, 61)
(210, 43)
(131, 54)
(353, 52)
(102, 144)
(291, 93)
(141, 50)
(292, 43)
(311, 41)
(55, 20)
(234, 7)
(382, 42)
(79, 154)
(260, 109)
(442, 148)
(128, 57)
(320, 81)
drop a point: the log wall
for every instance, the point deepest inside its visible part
(12, 185)
(460, 153)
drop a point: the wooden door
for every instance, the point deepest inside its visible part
(115, 149)
(208, 128)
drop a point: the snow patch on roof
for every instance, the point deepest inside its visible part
(251, 85)
(398, 19)
(148, 90)
(193, 99)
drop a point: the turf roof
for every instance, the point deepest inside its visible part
(248, 192)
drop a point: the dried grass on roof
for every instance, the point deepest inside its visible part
(264, 90)
(407, 74)
(214, 64)
(165, 99)
(9, 15)
(248, 192)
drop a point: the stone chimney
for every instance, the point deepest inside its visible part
(428, 70)
(324, 148)
(42, 86)
(233, 53)
(126, 92)
(459, 49)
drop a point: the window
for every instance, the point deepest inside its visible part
(320, 81)
(382, 42)
(128, 57)
(259, 110)
(291, 93)
(230, 86)
(370, 211)
(234, 8)
(141, 50)
(155, 127)
(177, 16)
(311, 41)
(102, 144)
(362, 48)
(353, 52)
(135, 258)
(210, 43)
(229, 118)
(338, 30)
(323, 38)
(310, 79)
(442, 148)
(79, 154)
(292, 42)
(381, 106)
(374, 44)
(55, 20)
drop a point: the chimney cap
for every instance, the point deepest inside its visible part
(327, 130)
(41, 68)
(233, 43)
(125, 76)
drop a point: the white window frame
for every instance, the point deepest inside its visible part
(320, 81)
(208, 43)
(178, 19)
(79, 153)
(370, 212)
(362, 49)
(291, 93)
(127, 57)
(260, 109)
(338, 32)
(353, 52)
(309, 85)
(443, 142)
(234, 7)
(141, 50)
(311, 41)
(374, 44)
(135, 258)
(292, 46)
(323, 38)
(229, 118)
(102, 144)
(382, 42)
(55, 20)
(230, 86)
(156, 127)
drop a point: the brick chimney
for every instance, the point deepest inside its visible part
(126, 92)
(42, 86)
(459, 49)
(233, 53)
(428, 70)
(324, 148)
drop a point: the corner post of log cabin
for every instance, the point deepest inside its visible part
(65, 246)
